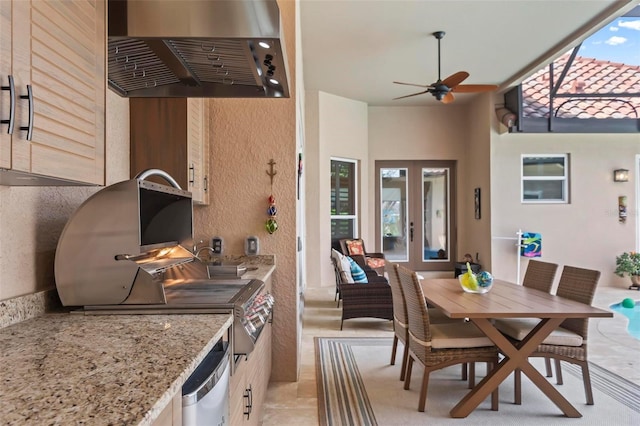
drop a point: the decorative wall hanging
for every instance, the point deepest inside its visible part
(622, 209)
(271, 225)
(476, 203)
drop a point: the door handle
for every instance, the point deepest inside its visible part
(12, 105)
(411, 232)
(29, 127)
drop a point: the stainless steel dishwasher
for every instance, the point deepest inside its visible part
(205, 394)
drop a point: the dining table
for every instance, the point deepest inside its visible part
(508, 300)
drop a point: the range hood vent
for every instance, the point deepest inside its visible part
(196, 48)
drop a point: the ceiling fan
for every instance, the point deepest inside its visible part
(443, 90)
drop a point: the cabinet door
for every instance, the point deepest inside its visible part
(5, 71)
(59, 50)
(237, 389)
(196, 156)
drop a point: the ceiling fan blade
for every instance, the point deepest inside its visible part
(448, 98)
(471, 88)
(454, 79)
(413, 94)
(412, 84)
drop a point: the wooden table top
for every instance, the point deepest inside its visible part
(505, 300)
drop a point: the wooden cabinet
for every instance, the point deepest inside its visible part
(171, 415)
(172, 134)
(248, 388)
(54, 54)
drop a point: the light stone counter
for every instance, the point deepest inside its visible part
(100, 370)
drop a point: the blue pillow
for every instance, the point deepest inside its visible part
(357, 272)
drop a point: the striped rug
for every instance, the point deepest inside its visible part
(347, 367)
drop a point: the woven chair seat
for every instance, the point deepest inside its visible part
(518, 328)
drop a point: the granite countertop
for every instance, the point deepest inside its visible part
(113, 369)
(63, 368)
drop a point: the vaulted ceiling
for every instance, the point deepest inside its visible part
(357, 48)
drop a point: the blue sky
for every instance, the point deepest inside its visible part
(617, 42)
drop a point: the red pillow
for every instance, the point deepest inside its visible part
(355, 247)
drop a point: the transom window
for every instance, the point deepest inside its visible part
(545, 178)
(344, 213)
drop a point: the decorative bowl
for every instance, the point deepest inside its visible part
(476, 283)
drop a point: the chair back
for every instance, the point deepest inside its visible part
(580, 285)
(417, 312)
(540, 275)
(397, 295)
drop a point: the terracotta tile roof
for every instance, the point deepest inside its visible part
(586, 75)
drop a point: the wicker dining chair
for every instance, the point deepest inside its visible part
(540, 275)
(569, 341)
(400, 320)
(436, 346)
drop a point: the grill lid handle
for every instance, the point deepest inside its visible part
(157, 172)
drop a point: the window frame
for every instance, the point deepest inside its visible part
(353, 181)
(564, 179)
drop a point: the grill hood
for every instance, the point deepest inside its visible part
(195, 48)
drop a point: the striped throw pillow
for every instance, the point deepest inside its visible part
(357, 272)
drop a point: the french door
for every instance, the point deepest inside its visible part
(415, 214)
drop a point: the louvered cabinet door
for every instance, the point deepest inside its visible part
(58, 49)
(5, 72)
(196, 158)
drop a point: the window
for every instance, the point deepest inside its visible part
(545, 178)
(344, 219)
(593, 88)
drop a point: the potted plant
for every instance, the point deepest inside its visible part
(629, 263)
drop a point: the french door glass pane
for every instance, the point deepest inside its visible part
(393, 190)
(435, 213)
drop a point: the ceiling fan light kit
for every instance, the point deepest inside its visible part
(443, 90)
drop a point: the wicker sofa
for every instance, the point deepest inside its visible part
(363, 300)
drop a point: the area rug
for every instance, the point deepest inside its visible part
(357, 386)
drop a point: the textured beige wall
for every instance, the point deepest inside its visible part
(32, 218)
(337, 128)
(584, 233)
(425, 133)
(474, 235)
(244, 135)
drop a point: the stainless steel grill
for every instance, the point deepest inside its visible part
(123, 251)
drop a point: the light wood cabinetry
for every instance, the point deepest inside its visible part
(172, 413)
(249, 382)
(172, 134)
(52, 54)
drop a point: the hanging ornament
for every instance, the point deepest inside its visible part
(271, 225)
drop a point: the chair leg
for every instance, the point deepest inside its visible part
(472, 375)
(405, 356)
(407, 376)
(341, 323)
(558, 372)
(394, 347)
(547, 364)
(517, 387)
(586, 378)
(464, 371)
(423, 391)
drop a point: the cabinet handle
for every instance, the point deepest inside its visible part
(29, 128)
(248, 394)
(206, 184)
(192, 174)
(12, 105)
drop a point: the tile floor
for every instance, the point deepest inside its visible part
(296, 403)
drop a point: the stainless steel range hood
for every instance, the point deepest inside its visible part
(196, 48)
